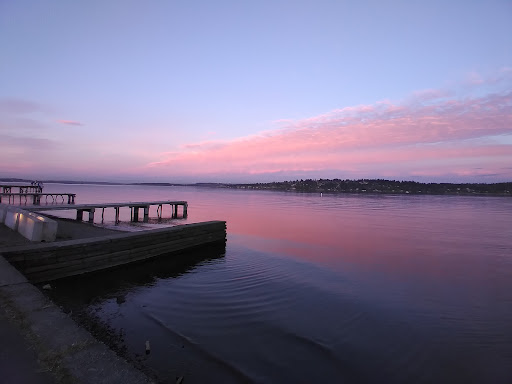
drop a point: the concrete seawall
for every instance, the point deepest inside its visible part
(61, 347)
(45, 262)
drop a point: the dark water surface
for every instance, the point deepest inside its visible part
(311, 289)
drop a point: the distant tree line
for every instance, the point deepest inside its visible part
(379, 186)
(341, 186)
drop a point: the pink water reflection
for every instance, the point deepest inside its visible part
(436, 241)
(429, 236)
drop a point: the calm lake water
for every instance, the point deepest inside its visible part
(313, 289)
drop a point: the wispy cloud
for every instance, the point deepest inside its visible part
(21, 107)
(427, 131)
(70, 122)
(21, 115)
(20, 123)
(10, 142)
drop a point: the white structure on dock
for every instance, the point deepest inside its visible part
(30, 225)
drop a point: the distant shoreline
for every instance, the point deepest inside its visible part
(330, 186)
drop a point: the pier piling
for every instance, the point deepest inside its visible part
(134, 208)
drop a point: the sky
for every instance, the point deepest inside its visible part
(256, 91)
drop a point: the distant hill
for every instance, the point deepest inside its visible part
(374, 186)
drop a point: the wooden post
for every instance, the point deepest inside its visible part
(135, 214)
(91, 215)
(102, 213)
(80, 214)
(146, 213)
(117, 214)
(185, 210)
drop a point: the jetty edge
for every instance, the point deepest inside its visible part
(44, 262)
(50, 260)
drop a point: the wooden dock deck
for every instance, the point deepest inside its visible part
(22, 188)
(134, 207)
(37, 198)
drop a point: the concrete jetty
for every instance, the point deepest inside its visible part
(57, 259)
(49, 261)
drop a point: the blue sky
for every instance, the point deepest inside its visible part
(112, 89)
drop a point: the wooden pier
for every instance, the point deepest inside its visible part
(134, 207)
(22, 188)
(37, 197)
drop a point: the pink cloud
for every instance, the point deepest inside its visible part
(428, 130)
(70, 122)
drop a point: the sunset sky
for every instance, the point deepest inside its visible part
(243, 91)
